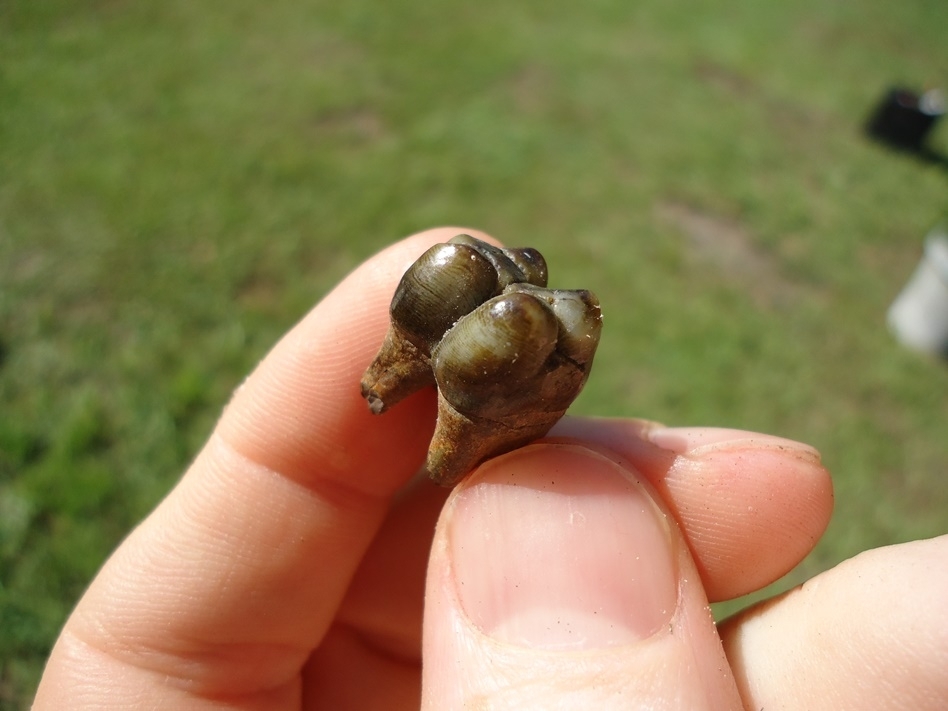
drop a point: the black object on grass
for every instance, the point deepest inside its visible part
(903, 119)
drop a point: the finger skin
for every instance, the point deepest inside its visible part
(751, 506)
(221, 594)
(377, 634)
(871, 633)
(675, 664)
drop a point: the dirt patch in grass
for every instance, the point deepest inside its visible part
(726, 244)
(788, 117)
(530, 88)
(359, 124)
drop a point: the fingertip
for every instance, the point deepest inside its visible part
(695, 441)
(870, 633)
(553, 572)
(751, 506)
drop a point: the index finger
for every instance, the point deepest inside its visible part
(301, 413)
(231, 582)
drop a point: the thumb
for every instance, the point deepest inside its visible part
(556, 581)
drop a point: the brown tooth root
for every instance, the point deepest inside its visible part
(507, 354)
(399, 370)
(461, 443)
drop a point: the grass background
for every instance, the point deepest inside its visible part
(180, 182)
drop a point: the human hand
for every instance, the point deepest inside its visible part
(288, 568)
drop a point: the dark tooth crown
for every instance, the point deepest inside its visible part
(508, 355)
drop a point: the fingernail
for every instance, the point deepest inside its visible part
(557, 547)
(695, 442)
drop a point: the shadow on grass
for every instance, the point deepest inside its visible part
(922, 154)
(932, 157)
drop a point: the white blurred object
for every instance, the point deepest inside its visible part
(932, 102)
(919, 315)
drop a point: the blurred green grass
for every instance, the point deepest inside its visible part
(180, 182)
